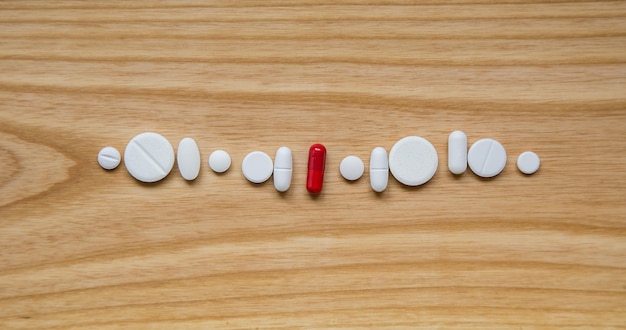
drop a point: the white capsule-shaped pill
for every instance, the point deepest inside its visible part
(379, 169)
(188, 158)
(283, 163)
(457, 152)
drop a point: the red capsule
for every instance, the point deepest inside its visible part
(317, 164)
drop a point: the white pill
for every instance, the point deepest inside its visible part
(149, 157)
(219, 161)
(486, 158)
(413, 160)
(109, 158)
(351, 168)
(283, 163)
(457, 152)
(379, 169)
(528, 162)
(257, 167)
(188, 158)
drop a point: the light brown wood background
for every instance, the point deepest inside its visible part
(84, 248)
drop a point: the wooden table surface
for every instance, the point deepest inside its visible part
(84, 248)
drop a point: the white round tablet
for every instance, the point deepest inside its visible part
(257, 167)
(486, 158)
(351, 168)
(109, 158)
(413, 160)
(219, 161)
(149, 157)
(528, 162)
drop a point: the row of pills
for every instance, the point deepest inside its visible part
(413, 161)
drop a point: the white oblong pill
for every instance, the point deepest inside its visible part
(188, 158)
(351, 168)
(413, 160)
(457, 152)
(257, 167)
(283, 163)
(109, 158)
(149, 157)
(219, 161)
(379, 169)
(528, 162)
(486, 158)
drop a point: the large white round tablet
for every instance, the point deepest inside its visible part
(486, 158)
(351, 168)
(109, 158)
(219, 161)
(413, 160)
(528, 162)
(257, 167)
(149, 157)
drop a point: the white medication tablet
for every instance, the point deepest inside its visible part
(149, 157)
(109, 158)
(528, 162)
(457, 152)
(219, 161)
(257, 167)
(379, 169)
(486, 158)
(351, 168)
(283, 163)
(188, 158)
(413, 160)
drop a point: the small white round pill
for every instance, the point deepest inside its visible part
(257, 167)
(528, 162)
(219, 161)
(109, 158)
(351, 168)
(486, 158)
(149, 157)
(413, 160)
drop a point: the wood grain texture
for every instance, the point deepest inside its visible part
(84, 248)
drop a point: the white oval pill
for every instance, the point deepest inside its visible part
(413, 160)
(188, 158)
(109, 158)
(149, 157)
(379, 169)
(219, 161)
(528, 162)
(457, 152)
(486, 158)
(283, 163)
(351, 168)
(257, 167)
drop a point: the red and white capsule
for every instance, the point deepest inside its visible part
(317, 165)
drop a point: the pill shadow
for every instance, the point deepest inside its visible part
(285, 194)
(314, 196)
(456, 177)
(150, 184)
